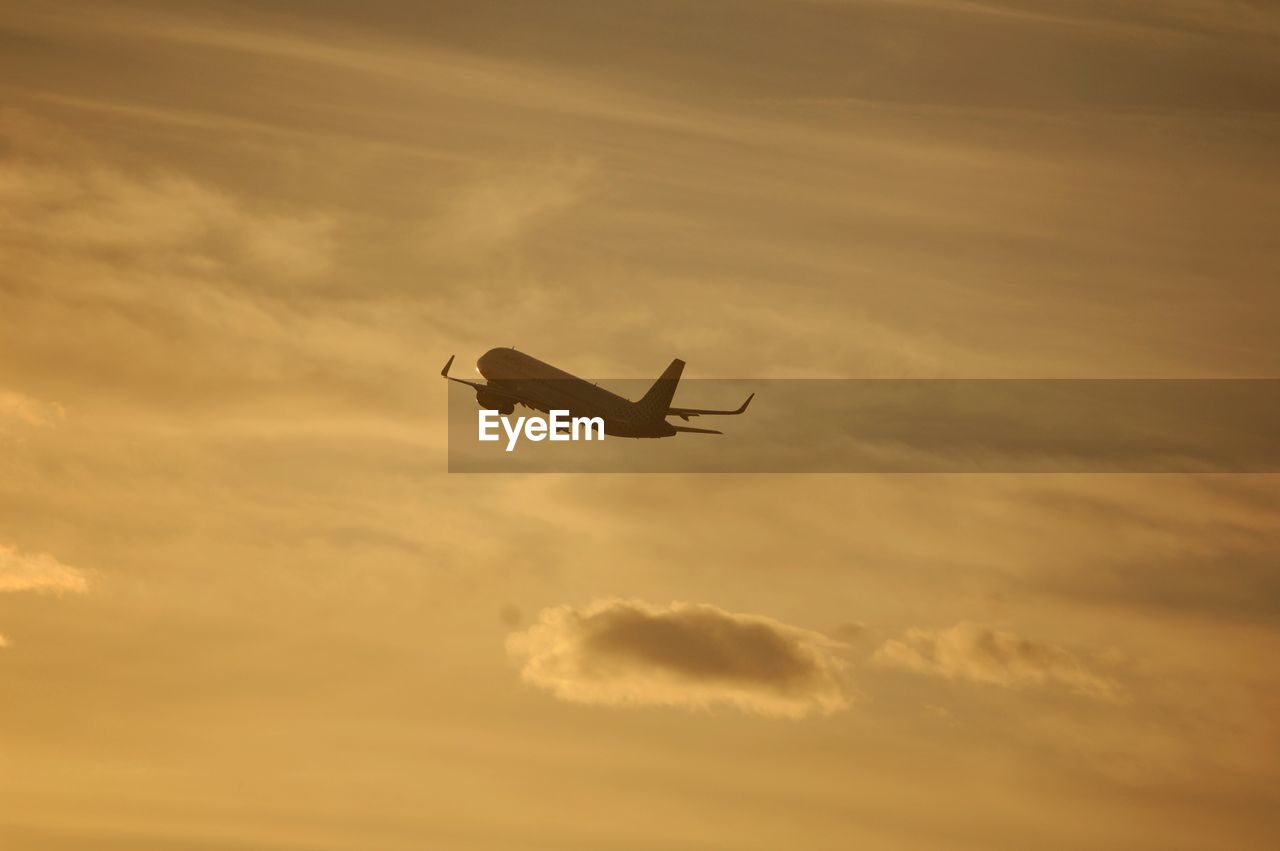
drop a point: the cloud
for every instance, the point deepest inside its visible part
(15, 407)
(851, 632)
(982, 654)
(499, 209)
(691, 655)
(38, 572)
(159, 220)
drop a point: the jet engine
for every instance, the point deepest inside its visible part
(494, 402)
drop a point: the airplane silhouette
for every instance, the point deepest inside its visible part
(514, 378)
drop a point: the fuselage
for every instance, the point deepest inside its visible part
(545, 388)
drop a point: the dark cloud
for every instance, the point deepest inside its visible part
(1204, 548)
(685, 654)
(510, 615)
(982, 654)
(851, 631)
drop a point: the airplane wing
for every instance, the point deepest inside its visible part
(685, 413)
(488, 389)
(445, 372)
(697, 430)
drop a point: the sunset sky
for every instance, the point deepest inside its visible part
(244, 606)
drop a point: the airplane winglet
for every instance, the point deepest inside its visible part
(445, 372)
(685, 413)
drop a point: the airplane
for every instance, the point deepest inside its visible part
(514, 378)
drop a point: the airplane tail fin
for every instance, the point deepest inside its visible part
(656, 402)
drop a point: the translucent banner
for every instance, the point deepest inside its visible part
(878, 426)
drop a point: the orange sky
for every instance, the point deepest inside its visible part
(243, 605)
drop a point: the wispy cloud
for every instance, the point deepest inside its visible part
(690, 655)
(982, 654)
(21, 571)
(173, 220)
(20, 408)
(499, 208)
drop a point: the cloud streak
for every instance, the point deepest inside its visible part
(18, 408)
(21, 571)
(170, 219)
(981, 654)
(695, 656)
